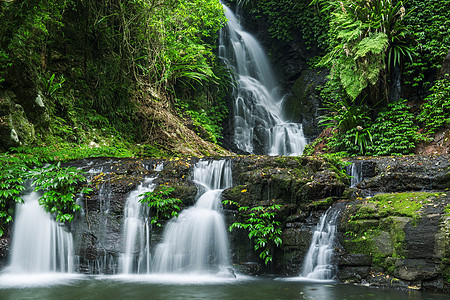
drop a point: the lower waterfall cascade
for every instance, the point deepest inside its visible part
(197, 240)
(318, 262)
(39, 244)
(136, 232)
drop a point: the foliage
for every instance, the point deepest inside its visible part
(103, 52)
(60, 186)
(338, 165)
(162, 206)
(435, 112)
(394, 131)
(367, 37)
(63, 152)
(350, 119)
(289, 19)
(429, 24)
(13, 173)
(50, 86)
(262, 227)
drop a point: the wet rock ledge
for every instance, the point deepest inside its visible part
(399, 239)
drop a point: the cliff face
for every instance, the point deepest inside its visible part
(404, 235)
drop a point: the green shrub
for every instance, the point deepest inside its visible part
(435, 112)
(394, 131)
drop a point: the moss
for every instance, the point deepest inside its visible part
(322, 204)
(396, 204)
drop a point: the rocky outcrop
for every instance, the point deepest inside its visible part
(15, 128)
(386, 238)
(400, 237)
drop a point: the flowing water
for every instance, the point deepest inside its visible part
(318, 263)
(259, 123)
(136, 256)
(197, 240)
(39, 245)
(355, 174)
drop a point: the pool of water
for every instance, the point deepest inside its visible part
(59, 287)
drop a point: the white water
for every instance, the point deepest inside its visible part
(39, 245)
(197, 240)
(259, 123)
(136, 232)
(356, 174)
(318, 263)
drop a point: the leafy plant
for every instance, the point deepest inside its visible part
(367, 37)
(394, 131)
(262, 227)
(435, 112)
(429, 26)
(352, 121)
(50, 86)
(60, 186)
(13, 173)
(162, 206)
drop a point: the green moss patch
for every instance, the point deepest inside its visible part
(396, 204)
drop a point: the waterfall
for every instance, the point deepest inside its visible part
(136, 232)
(197, 240)
(39, 245)
(259, 123)
(355, 174)
(318, 263)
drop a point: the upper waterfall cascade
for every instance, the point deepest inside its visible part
(259, 123)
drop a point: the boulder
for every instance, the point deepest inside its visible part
(15, 128)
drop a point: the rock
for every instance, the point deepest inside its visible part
(384, 243)
(304, 102)
(353, 274)
(15, 129)
(4, 251)
(415, 269)
(355, 260)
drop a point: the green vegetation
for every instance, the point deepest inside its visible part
(367, 40)
(288, 20)
(59, 185)
(370, 44)
(162, 206)
(399, 204)
(262, 227)
(98, 66)
(435, 112)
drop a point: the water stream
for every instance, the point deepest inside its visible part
(259, 123)
(197, 240)
(355, 174)
(39, 245)
(136, 256)
(318, 262)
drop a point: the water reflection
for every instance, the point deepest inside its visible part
(151, 287)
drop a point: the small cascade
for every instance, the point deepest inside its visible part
(318, 263)
(197, 240)
(39, 245)
(136, 232)
(356, 174)
(259, 123)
